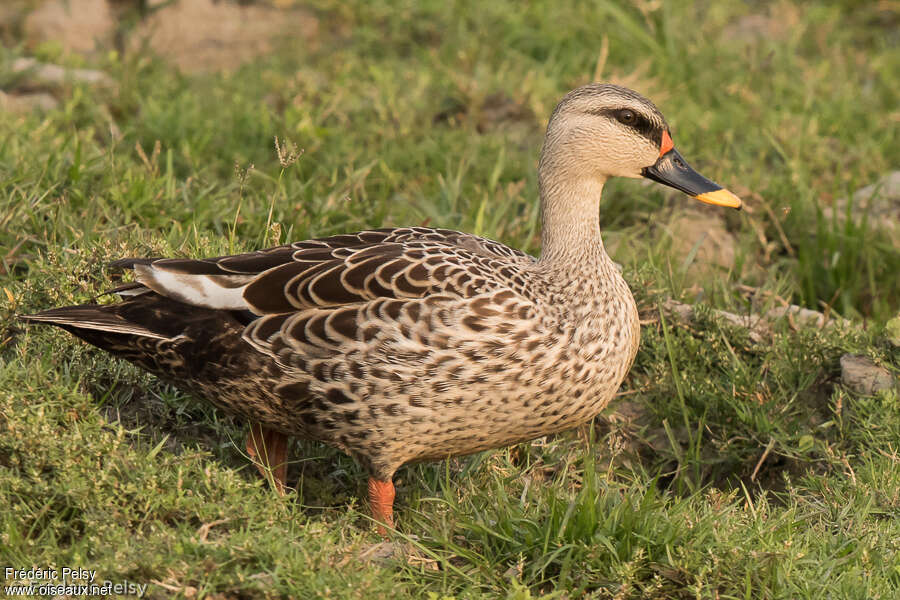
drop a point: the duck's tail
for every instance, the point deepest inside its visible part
(163, 336)
(88, 320)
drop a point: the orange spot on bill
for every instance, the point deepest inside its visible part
(667, 143)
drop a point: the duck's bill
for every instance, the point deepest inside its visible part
(672, 170)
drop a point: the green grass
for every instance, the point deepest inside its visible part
(396, 111)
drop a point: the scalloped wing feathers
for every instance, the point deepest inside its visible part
(335, 271)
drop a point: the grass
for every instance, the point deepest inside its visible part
(748, 470)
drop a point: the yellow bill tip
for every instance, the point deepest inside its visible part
(720, 197)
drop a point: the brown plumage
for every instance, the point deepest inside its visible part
(410, 344)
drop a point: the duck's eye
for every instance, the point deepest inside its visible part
(626, 116)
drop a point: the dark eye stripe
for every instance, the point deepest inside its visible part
(641, 124)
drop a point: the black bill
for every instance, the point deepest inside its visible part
(672, 170)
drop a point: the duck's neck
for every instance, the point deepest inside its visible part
(570, 222)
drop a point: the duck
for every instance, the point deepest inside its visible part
(409, 344)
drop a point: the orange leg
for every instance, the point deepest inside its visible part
(381, 498)
(268, 450)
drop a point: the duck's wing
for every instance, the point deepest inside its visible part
(321, 326)
(326, 298)
(409, 262)
(476, 244)
(402, 235)
(256, 262)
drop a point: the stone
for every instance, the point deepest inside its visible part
(80, 26)
(41, 74)
(863, 376)
(879, 200)
(203, 35)
(707, 232)
(758, 329)
(26, 103)
(887, 189)
(804, 317)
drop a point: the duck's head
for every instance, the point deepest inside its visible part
(604, 130)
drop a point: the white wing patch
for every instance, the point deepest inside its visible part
(222, 292)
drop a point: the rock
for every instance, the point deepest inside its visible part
(705, 231)
(759, 326)
(380, 552)
(863, 376)
(758, 329)
(683, 312)
(41, 74)
(78, 25)
(880, 200)
(203, 35)
(26, 103)
(803, 317)
(887, 189)
(384, 552)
